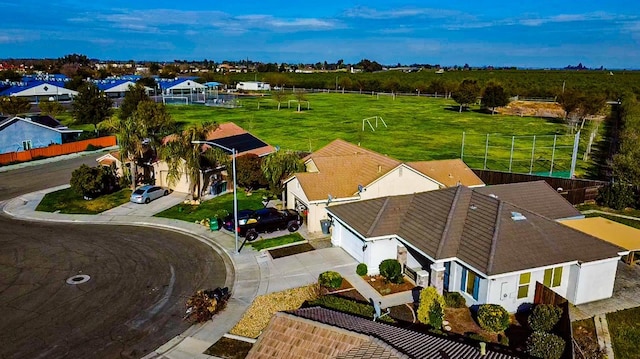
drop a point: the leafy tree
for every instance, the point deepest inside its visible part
(10, 75)
(278, 166)
(545, 345)
(132, 98)
(156, 120)
(51, 108)
(91, 106)
(436, 315)
(147, 81)
(12, 105)
(626, 162)
(183, 156)
(494, 96)
(544, 317)
(369, 66)
(392, 84)
(250, 175)
(618, 195)
(91, 182)
(154, 68)
(301, 96)
(345, 83)
(467, 93)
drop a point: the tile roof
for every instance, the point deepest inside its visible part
(536, 196)
(289, 336)
(448, 172)
(405, 342)
(342, 166)
(474, 227)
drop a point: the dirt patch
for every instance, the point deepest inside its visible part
(228, 348)
(402, 313)
(532, 109)
(586, 340)
(461, 322)
(345, 286)
(291, 250)
(352, 294)
(384, 287)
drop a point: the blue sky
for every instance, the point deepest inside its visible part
(504, 33)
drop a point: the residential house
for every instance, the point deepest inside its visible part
(321, 333)
(342, 172)
(111, 159)
(480, 244)
(217, 180)
(21, 134)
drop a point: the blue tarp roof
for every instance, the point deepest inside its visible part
(21, 86)
(104, 85)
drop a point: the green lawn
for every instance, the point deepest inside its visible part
(275, 242)
(220, 206)
(67, 201)
(624, 327)
(418, 129)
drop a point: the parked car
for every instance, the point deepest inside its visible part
(146, 194)
(269, 219)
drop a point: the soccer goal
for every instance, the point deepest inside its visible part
(175, 100)
(373, 118)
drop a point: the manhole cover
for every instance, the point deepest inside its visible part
(78, 279)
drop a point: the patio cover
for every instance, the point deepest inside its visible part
(613, 232)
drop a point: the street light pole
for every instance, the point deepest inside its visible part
(235, 193)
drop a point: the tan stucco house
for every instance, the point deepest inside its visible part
(342, 172)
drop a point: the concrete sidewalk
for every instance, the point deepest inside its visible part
(249, 273)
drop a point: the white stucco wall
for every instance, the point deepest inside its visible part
(379, 250)
(347, 240)
(595, 281)
(161, 170)
(401, 180)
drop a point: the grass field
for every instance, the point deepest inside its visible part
(69, 202)
(219, 206)
(418, 129)
(625, 332)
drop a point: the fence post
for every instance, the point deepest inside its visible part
(533, 150)
(553, 154)
(462, 150)
(513, 140)
(486, 150)
(574, 155)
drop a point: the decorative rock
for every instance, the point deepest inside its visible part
(447, 328)
(445, 322)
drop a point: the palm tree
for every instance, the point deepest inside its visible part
(183, 156)
(277, 166)
(131, 135)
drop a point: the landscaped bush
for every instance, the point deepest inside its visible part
(436, 315)
(544, 317)
(428, 297)
(493, 317)
(91, 182)
(545, 345)
(361, 269)
(618, 195)
(330, 279)
(454, 300)
(347, 306)
(391, 270)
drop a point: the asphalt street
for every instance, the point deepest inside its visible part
(134, 300)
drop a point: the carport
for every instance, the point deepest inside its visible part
(613, 232)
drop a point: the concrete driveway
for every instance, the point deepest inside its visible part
(147, 210)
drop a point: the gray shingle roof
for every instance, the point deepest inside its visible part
(474, 227)
(408, 342)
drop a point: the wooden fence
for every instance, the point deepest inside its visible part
(576, 191)
(56, 150)
(545, 295)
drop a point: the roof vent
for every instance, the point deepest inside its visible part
(379, 168)
(517, 216)
(493, 195)
(473, 207)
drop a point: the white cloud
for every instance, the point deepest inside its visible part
(369, 13)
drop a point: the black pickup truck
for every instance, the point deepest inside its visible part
(269, 219)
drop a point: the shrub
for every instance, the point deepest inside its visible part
(428, 297)
(478, 337)
(361, 269)
(616, 195)
(91, 182)
(545, 345)
(544, 317)
(493, 317)
(436, 315)
(91, 147)
(454, 300)
(330, 279)
(503, 339)
(391, 270)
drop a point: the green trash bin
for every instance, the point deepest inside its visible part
(213, 224)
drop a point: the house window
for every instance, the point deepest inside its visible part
(26, 145)
(470, 283)
(553, 277)
(523, 285)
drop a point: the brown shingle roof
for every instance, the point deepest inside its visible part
(289, 336)
(407, 343)
(474, 227)
(448, 172)
(536, 196)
